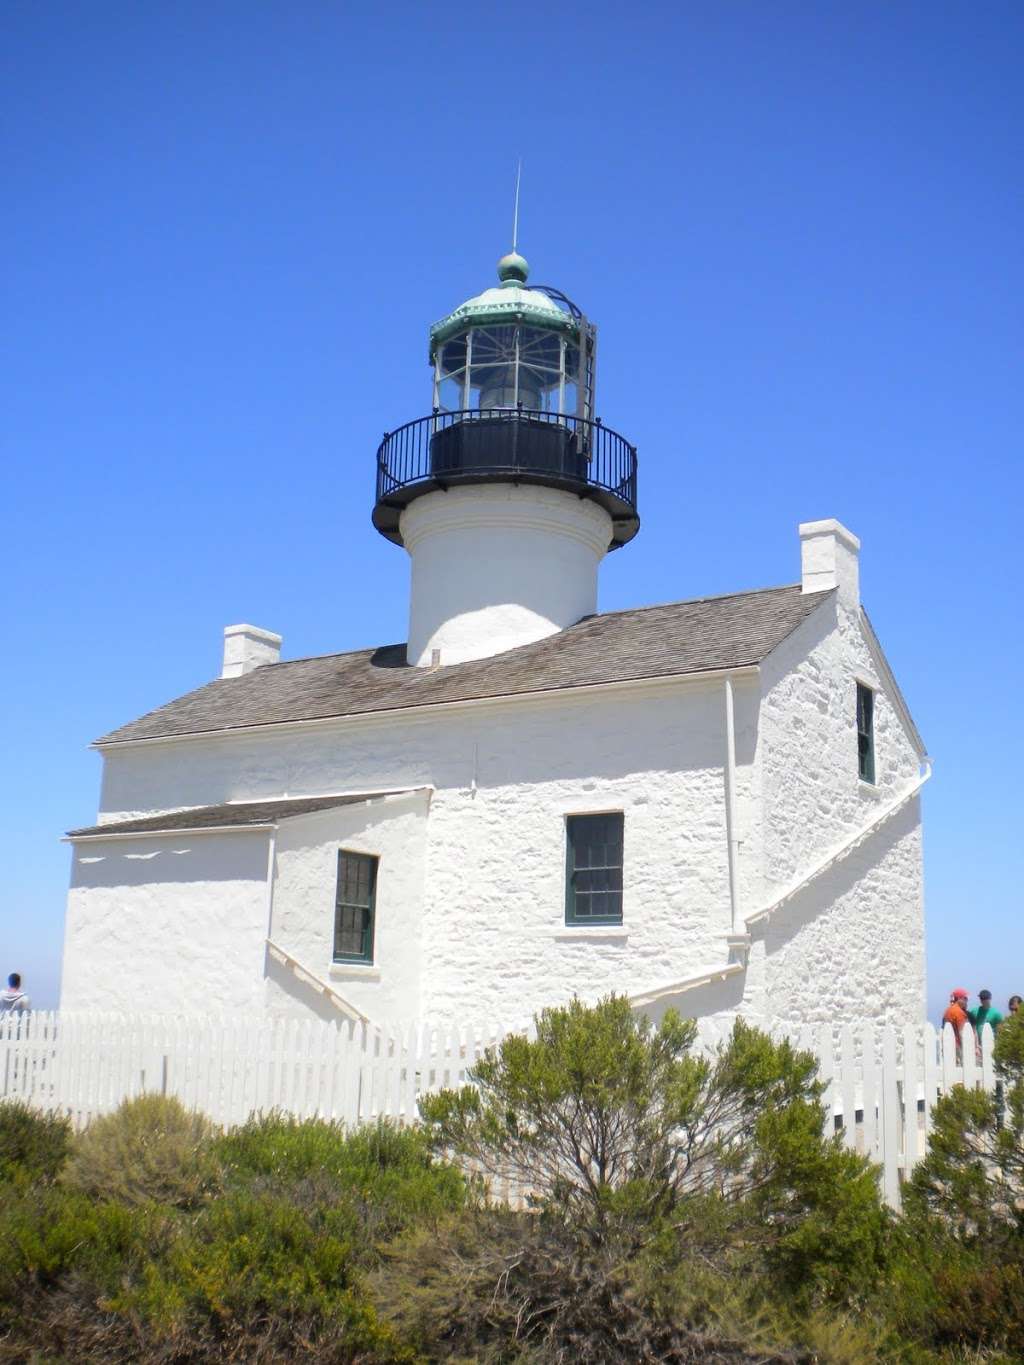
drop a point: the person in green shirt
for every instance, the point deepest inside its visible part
(983, 1013)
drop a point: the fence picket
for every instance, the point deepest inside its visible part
(988, 1074)
(951, 1074)
(869, 1092)
(971, 1053)
(848, 1085)
(932, 1044)
(890, 1117)
(911, 1141)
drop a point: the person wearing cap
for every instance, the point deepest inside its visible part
(956, 1014)
(983, 1013)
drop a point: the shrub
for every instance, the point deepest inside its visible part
(972, 1180)
(385, 1175)
(959, 1279)
(621, 1129)
(256, 1274)
(149, 1149)
(245, 1278)
(650, 1165)
(492, 1286)
(33, 1145)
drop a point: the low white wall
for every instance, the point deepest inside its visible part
(167, 924)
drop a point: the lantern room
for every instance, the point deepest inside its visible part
(515, 348)
(512, 402)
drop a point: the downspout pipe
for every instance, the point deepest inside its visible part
(271, 850)
(737, 924)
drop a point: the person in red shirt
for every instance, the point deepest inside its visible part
(956, 1014)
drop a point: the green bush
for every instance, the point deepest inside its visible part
(959, 1280)
(149, 1149)
(255, 1272)
(54, 1234)
(247, 1278)
(386, 1175)
(628, 1135)
(33, 1145)
(492, 1286)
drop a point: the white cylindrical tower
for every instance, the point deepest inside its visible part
(508, 496)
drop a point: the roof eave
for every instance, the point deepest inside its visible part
(891, 685)
(426, 708)
(183, 832)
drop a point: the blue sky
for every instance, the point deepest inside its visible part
(228, 227)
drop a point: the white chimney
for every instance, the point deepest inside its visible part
(829, 558)
(248, 647)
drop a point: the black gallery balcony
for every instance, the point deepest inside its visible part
(507, 445)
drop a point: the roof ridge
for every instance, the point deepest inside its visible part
(691, 601)
(594, 616)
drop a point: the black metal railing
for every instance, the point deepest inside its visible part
(506, 444)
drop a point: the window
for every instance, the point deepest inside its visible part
(865, 733)
(354, 906)
(593, 869)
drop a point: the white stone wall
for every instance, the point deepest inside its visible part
(851, 945)
(305, 879)
(485, 869)
(167, 924)
(494, 938)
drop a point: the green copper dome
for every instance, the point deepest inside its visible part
(508, 302)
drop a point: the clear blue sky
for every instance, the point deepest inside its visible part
(228, 226)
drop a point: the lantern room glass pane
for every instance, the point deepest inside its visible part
(453, 355)
(450, 390)
(538, 389)
(494, 366)
(541, 350)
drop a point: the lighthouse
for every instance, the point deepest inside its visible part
(509, 494)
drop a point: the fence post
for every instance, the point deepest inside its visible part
(890, 1119)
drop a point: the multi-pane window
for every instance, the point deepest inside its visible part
(865, 733)
(593, 869)
(354, 907)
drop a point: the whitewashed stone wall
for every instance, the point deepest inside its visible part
(167, 924)
(851, 945)
(494, 937)
(305, 881)
(485, 869)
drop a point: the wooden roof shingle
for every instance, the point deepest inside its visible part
(705, 634)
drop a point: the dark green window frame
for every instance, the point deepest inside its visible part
(355, 906)
(866, 733)
(593, 868)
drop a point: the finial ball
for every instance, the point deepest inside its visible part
(513, 269)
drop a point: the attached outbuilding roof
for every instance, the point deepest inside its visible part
(231, 815)
(704, 635)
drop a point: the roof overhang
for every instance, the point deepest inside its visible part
(288, 809)
(544, 694)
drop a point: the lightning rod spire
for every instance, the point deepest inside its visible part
(515, 211)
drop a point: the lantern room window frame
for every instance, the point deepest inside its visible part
(568, 376)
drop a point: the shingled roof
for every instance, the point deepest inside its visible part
(230, 815)
(698, 636)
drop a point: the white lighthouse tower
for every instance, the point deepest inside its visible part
(508, 496)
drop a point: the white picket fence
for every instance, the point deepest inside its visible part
(881, 1084)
